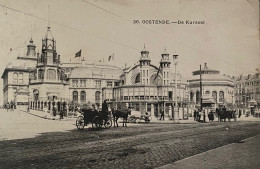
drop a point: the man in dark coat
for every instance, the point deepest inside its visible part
(105, 110)
(162, 114)
(195, 114)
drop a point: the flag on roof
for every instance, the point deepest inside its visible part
(78, 54)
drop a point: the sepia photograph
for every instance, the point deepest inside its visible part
(130, 84)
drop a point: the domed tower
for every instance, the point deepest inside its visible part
(144, 67)
(165, 67)
(49, 55)
(31, 49)
(48, 62)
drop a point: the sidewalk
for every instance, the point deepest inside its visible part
(48, 116)
(241, 155)
(166, 120)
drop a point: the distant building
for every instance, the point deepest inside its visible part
(247, 91)
(217, 89)
(16, 77)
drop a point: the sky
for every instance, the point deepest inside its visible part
(228, 41)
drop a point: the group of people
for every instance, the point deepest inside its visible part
(199, 115)
(55, 111)
(10, 106)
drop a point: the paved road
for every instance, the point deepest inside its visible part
(241, 155)
(18, 125)
(137, 146)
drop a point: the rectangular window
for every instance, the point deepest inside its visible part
(109, 84)
(98, 83)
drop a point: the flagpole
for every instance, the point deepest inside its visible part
(113, 57)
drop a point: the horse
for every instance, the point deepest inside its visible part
(223, 115)
(121, 113)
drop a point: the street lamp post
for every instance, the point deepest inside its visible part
(176, 109)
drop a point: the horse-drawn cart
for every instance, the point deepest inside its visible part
(137, 116)
(98, 119)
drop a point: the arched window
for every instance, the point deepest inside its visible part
(40, 74)
(51, 74)
(15, 77)
(214, 95)
(137, 78)
(97, 97)
(191, 96)
(75, 96)
(197, 97)
(36, 94)
(207, 92)
(20, 78)
(221, 96)
(83, 96)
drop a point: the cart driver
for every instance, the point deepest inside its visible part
(104, 110)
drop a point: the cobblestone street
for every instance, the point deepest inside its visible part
(137, 146)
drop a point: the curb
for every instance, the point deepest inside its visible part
(172, 165)
(47, 118)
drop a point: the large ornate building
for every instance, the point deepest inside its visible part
(217, 89)
(48, 82)
(148, 88)
(41, 79)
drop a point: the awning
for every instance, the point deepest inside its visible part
(252, 102)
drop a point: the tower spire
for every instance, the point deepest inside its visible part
(48, 17)
(31, 31)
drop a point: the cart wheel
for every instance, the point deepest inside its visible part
(80, 123)
(99, 123)
(108, 124)
(137, 120)
(94, 122)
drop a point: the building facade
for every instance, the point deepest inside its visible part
(217, 89)
(247, 91)
(48, 82)
(148, 88)
(16, 77)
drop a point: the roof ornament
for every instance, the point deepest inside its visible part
(205, 65)
(165, 51)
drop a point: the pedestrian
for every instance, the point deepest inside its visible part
(198, 115)
(162, 114)
(54, 111)
(61, 114)
(239, 113)
(211, 115)
(204, 116)
(235, 115)
(195, 114)
(7, 106)
(45, 109)
(104, 110)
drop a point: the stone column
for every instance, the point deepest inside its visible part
(152, 111)
(170, 111)
(51, 108)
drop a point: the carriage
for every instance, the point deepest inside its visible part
(223, 115)
(98, 119)
(137, 116)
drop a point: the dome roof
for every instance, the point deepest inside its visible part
(205, 70)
